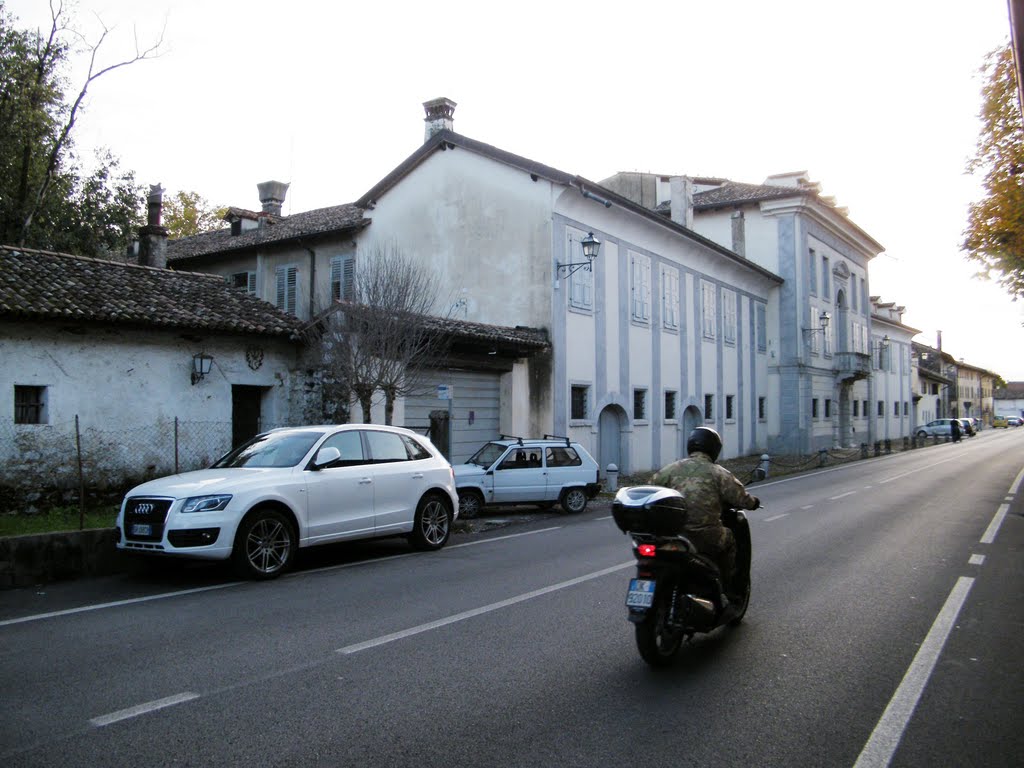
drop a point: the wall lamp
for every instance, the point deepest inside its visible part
(201, 365)
(884, 342)
(823, 320)
(591, 246)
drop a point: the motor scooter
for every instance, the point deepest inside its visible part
(677, 591)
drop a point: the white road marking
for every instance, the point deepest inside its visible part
(919, 469)
(807, 506)
(993, 527)
(1017, 482)
(142, 709)
(976, 560)
(881, 746)
(384, 639)
(502, 538)
(115, 604)
(841, 495)
(775, 517)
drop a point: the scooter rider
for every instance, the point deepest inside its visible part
(709, 490)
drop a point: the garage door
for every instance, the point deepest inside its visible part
(475, 408)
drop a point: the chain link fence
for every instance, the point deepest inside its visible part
(75, 464)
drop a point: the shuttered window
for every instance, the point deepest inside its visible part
(641, 287)
(343, 278)
(287, 281)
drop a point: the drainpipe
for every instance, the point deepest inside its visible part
(312, 281)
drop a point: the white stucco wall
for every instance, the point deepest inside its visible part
(127, 387)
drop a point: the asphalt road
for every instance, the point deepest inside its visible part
(885, 628)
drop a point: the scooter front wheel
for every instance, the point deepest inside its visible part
(655, 639)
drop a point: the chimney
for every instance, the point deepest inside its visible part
(440, 116)
(938, 341)
(272, 196)
(739, 233)
(153, 236)
(681, 200)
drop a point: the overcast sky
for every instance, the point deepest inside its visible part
(877, 100)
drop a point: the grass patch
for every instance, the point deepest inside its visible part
(60, 519)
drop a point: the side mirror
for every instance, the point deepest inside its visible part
(326, 456)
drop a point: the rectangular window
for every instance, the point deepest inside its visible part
(639, 405)
(814, 408)
(826, 279)
(730, 401)
(343, 278)
(670, 297)
(709, 308)
(760, 409)
(287, 282)
(896, 408)
(30, 405)
(853, 293)
(856, 409)
(709, 407)
(881, 408)
(864, 297)
(729, 316)
(828, 408)
(578, 407)
(906, 408)
(760, 316)
(641, 288)
(812, 272)
(244, 280)
(670, 405)
(864, 408)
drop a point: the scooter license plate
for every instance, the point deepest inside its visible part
(641, 593)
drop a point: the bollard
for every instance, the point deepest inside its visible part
(612, 477)
(863, 450)
(761, 470)
(822, 457)
(888, 446)
(906, 443)
(878, 448)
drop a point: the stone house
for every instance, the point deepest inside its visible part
(132, 370)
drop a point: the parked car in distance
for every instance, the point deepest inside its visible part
(935, 428)
(521, 470)
(1014, 421)
(291, 488)
(1000, 422)
(967, 427)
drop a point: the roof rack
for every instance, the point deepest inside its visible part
(512, 437)
(558, 437)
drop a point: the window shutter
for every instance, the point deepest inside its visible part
(279, 274)
(349, 279)
(335, 278)
(293, 274)
(252, 283)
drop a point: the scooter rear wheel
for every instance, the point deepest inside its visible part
(656, 641)
(741, 602)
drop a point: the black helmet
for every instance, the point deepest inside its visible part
(705, 440)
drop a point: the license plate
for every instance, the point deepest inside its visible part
(641, 593)
(141, 529)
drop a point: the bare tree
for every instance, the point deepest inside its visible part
(378, 343)
(45, 157)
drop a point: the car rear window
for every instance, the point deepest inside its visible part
(563, 457)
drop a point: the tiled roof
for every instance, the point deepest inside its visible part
(518, 338)
(40, 285)
(737, 193)
(278, 229)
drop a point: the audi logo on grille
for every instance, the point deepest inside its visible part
(145, 509)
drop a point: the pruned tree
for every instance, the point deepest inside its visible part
(994, 236)
(378, 343)
(43, 188)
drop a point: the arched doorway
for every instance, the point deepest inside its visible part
(611, 426)
(692, 418)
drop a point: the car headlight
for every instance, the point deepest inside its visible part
(206, 503)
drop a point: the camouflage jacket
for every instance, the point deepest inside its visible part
(708, 489)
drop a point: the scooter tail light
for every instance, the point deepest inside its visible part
(646, 550)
